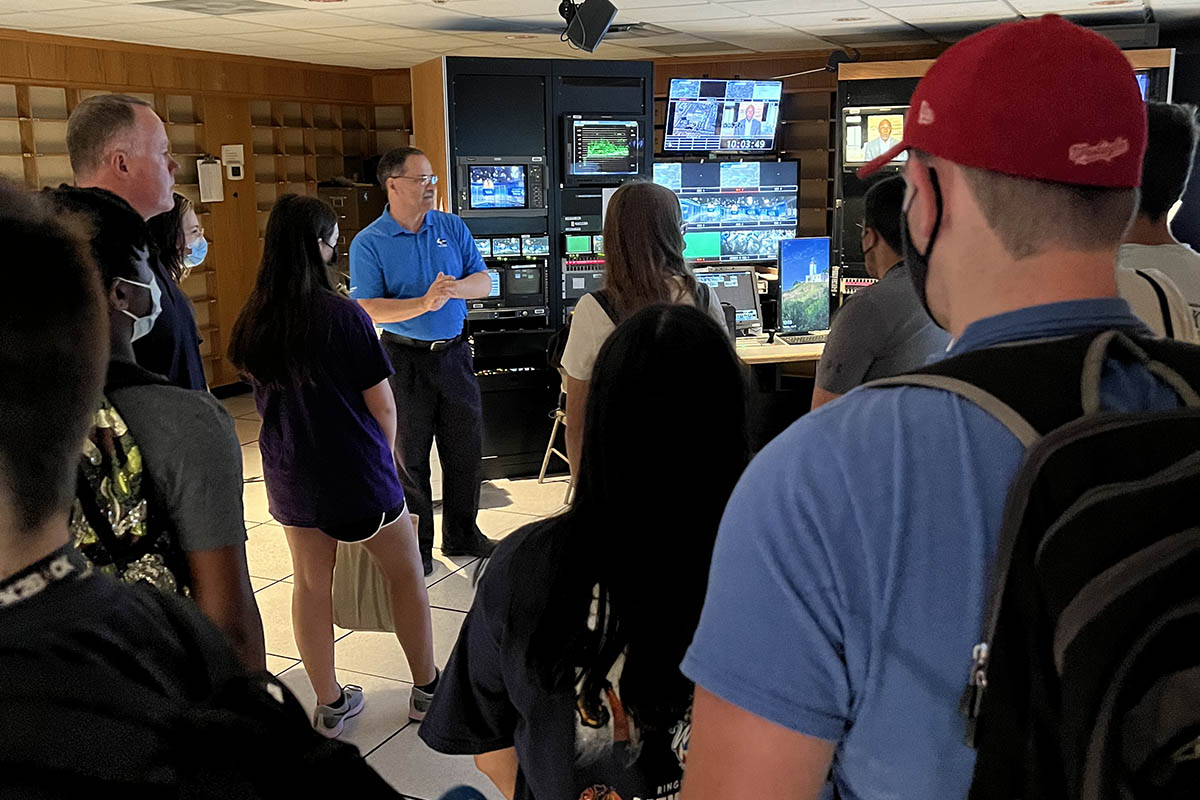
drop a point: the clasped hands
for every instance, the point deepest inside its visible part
(442, 289)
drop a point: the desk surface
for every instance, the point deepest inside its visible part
(756, 351)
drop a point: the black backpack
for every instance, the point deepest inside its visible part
(558, 342)
(1086, 679)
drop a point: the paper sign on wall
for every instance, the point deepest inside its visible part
(208, 171)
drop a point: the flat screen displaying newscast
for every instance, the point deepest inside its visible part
(500, 186)
(506, 246)
(804, 285)
(484, 246)
(739, 288)
(722, 116)
(734, 211)
(599, 148)
(535, 245)
(868, 133)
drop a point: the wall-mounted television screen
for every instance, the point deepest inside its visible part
(736, 210)
(506, 246)
(535, 245)
(498, 186)
(722, 116)
(868, 133)
(600, 150)
(484, 246)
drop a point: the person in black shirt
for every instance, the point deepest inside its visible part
(565, 681)
(117, 142)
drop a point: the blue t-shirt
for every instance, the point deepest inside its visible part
(326, 461)
(387, 260)
(851, 570)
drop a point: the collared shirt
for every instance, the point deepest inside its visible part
(851, 570)
(388, 260)
(172, 347)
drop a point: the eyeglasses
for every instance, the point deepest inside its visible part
(424, 180)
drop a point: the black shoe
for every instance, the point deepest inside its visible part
(479, 546)
(427, 563)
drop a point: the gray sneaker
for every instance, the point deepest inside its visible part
(329, 721)
(419, 702)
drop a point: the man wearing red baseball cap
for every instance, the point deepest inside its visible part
(851, 570)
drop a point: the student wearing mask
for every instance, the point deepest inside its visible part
(844, 602)
(883, 329)
(1159, 275)
(643, 243)
(320, 381)
(117, 142)
(179, 239)
(564, 682)
(163, 469)
(412, 271)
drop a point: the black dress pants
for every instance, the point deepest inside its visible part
(437, 395)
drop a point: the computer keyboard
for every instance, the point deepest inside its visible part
(805, 338)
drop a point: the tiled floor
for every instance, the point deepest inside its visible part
(374, 660)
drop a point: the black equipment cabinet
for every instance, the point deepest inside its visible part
(509, 113)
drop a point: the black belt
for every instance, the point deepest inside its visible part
(434, 346)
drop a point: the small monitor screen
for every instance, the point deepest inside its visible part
(494, 292)
(506, 246)
(579, 244)
(735, 210)
(524, 280)
(739, 289)
(868, 133)
(484, 246)
(1143, 79)
(600, 147)
(498, 186)
(804, 285)
(716, 116)
(535, 245)
(598, 243)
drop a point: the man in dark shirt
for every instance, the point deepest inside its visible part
(882, 330)
(118, 143)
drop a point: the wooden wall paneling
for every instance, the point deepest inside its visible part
(392, 87)
(82, 62)
(14, 60)
(429, 118)
(139, 71)
(114, 68)
(48, 62)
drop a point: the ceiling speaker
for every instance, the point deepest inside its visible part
(589, 23)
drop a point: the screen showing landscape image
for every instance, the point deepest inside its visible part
(804, 285)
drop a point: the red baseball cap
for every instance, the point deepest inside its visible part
(1042, 99)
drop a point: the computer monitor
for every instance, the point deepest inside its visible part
(722, 116)
(738, 288)
(497, 186)
(578, 244)
(598, 243)
(804, 285)
(535, 245)
(484, 246)
(506, 246)
(868, 133)
(494, 292)
(735, 211)
(1143, 79)
(523, 284)
(600, 149)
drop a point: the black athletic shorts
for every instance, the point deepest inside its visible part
(360, 530)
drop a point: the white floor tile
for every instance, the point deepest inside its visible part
(239, 406)
(277, 664)
(275, 608)
(254, 502)
(259, 583)
(384, 713)
(247, 430)
(267, 552)
(413, 769)
(524, 496)
(251, 461)
(455, 591)
(380, 653)
(498, 524)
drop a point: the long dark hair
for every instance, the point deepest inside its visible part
(277, 332)
(166, 230)
(643, 248)
(664, 443)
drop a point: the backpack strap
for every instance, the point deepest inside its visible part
(606, 303)
(702, 299)
(1098, 353)
(993, 405)
(1163, 304)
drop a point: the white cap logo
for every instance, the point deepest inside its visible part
(925, 117)
(1086, 153)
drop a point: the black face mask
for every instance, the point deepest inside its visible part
(333, 259)
(918, 262)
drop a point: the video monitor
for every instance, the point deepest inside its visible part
(535, 245)
(804, 285)
(1143, 79)
(738, 288)
(598, 243)
(506, 246)
(494, 292)
(524, 281)
(736, 211)
(484, 246)
(722, 116)
(601, 150)
(868, 133)
(497, 186)
(578, 244)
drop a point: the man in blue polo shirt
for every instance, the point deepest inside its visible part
(411, 270)
(850, 573)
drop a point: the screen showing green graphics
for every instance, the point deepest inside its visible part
(704, 245)
(602, 150)
(579, 244)
(804, 285)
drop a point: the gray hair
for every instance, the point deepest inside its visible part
(94, 124)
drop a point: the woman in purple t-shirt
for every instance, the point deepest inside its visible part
(320, 380)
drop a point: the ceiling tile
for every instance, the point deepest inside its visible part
(776, 40)
(766, 7)
(1035, 8)
(854, 18)
(945, 12)
(502, 9)
(283, 37)
(295, 19)
(209, 26)
(626, 4)
(669, 14)
(379, 31)
(412, 16)
(17, 6)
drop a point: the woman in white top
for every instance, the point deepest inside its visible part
(643, 241)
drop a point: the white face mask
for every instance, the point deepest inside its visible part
(143, 325)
